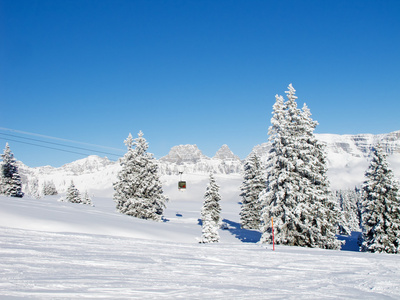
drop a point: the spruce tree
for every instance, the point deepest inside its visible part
(297, 194)
(10, 181)
(138, 191)
(73, 194)
(348, 203)
(210, 213)
(49, 189)
(33, 188)
(380, 206)
(86, 199)
(252, 186)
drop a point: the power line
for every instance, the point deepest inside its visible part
(59, 139)
(57, 144)
(74, 152)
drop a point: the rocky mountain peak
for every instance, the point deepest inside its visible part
(184, 154)
(224, 153)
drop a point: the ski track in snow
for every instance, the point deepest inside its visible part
(58, 250)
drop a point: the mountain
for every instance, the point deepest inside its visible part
(190, 160)
(347, 158)
(348, 155)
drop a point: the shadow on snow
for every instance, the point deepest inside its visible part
(352, 241)
(244, 235)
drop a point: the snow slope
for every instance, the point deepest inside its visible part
(57, 250)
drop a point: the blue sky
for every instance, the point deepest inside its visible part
(191, 72)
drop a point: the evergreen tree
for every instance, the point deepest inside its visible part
(348, 203)
(33, 188)
(86, 199)
(49, 189)
(138, 191)
(380, 207)
(10, 181)
(252, 186)
(210, 213)
(297, 194)
(73, 194)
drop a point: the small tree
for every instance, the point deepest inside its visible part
(73, 194)
(86, 199)
(49, 189)
(33, 188)
(252, 186)
(380, 207)
(10, 181)
(348, 203)
(138, 191)
(210, 213)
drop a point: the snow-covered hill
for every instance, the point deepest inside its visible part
(347, 156)
(58, 250)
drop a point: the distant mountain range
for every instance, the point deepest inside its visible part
(347, 157)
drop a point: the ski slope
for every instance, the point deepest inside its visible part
(58, 250)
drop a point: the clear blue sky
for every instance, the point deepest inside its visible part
(192, 72)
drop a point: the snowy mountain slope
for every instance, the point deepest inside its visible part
(347, 158)
(58, 250)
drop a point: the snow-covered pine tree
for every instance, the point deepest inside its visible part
(210, 213)
(348, 203)
(49, 188)
(138, 191)
(73, 194)
(380, 207)
(86, 199)
(32, 188)
(297, 194)
(323, 211)
(10, 180)
(252, 186)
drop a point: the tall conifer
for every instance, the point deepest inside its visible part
(380, 207)
(10, 180)
(297, 194)
(210, 213)
(252, 186)
(138, 191)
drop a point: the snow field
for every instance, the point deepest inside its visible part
(59, 250)
(46, 265)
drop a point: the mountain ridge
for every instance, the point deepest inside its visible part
(347, 160)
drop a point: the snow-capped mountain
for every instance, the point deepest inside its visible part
(189, 159)
(184, 154)
(347, 157)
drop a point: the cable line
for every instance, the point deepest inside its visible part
(59, 139)
(74, 152)
(57, 144)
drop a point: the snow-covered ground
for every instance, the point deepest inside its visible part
(58, 250)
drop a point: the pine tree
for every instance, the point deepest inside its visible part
(252, 186)
(73, 194)
(33, 188)
(297, 194)
(86, 199)
(138, 191)
(10, 181)
(49, 189)
(380, 207)
(348, 203)
(210, 213)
